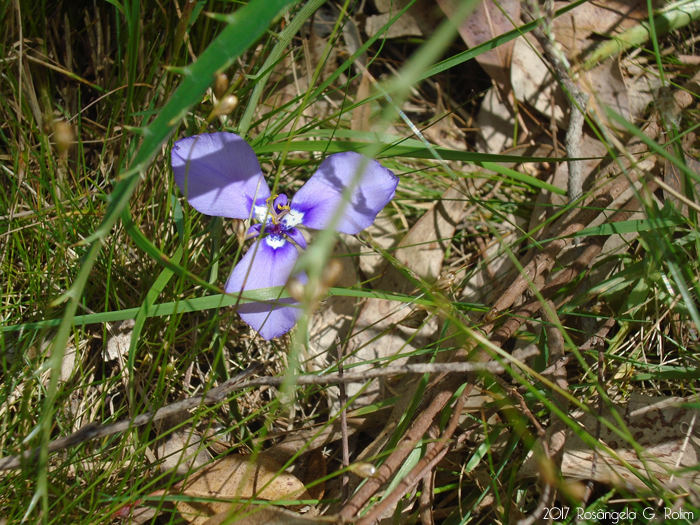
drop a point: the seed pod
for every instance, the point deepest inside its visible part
(364, 470)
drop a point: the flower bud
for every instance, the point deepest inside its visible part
(63, 136)
(220, 85)
(331, 274)
(295, 289)
(226, 106)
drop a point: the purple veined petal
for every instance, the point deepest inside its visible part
(219, 174)
(253, 231)
(280, 202)
(269, 262)
(297, 237)
(316, 202)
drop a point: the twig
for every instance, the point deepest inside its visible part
(361, 377)
(215, 395)
(422, 468)
(539, 510)
(345, 480)
(426, 500)
(95, 430)
(578, 101)
(444, 387)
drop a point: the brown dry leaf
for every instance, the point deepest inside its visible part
(576, 30)
(265, 516)
(486, 22)
(334, 318)
(576, 33)
(316, 469)
(404, 26)
(68, 363)
(444, 132)
(667, 433)
(420, 19)
(235, 477)
(183, 452)
(495, 262)
(142, 515)
(496, 123)
(119, 340)
(361, 114)
(377, 333)
(533, 83)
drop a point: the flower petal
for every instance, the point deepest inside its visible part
(316, 202)
(253, 231)
(219, 174)
(297, 237)
(269, 262)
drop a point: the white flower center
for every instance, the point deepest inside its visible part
(293, 218)
(260, 213)
(275, 241)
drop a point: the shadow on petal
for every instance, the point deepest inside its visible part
(319, 199)
(219, 174)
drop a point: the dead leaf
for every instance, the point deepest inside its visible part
(578, 30)
(377, 334)
(533, 83)
(496, 123)
(495, 263)
(677, 180)
(404, 26)
(119, 340)
(183, 452)
(420, 19)
(334, 318)
(667, 433)
(488, 21)
(444, 131)
(236, 477)
(315, 470)
(361, 114)
(68, 363)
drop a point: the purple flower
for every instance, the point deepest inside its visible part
(220, 175)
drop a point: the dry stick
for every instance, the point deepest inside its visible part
(423, 467)
(539, 264)
(557, 437)
(95, 431)
(426, 499)
(343, 398)
(444, 388)
(594, 463)
(577, 106)
(215, 395)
